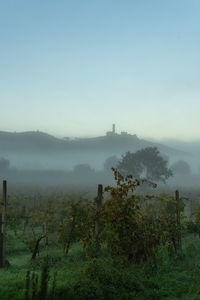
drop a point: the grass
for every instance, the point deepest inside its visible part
(165, 277)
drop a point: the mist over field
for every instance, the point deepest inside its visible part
(37, 158)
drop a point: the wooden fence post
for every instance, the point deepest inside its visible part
(98, 214)
(191, 208)
(178, 218)
(3, 226)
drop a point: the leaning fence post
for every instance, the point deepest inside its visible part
(178, 218)
(3, 226)
(98, 214)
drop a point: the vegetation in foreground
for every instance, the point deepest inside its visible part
(128, 246)
(77, 277)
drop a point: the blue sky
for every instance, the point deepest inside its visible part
(72, 68)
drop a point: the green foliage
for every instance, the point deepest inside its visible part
(77, 224)
(15, 214)
(129, 230)
(105, 279)
(38, 288)
(162, 276)
(138, 259)
(30, 242)
(193, 225)
(147, 163)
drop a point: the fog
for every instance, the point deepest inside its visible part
(42, 160)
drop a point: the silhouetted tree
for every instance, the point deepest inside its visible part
(146, 163)
(181, 167)
(111, 162)
(4, 164)
(83, 169)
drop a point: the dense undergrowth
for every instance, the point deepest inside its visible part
(162, 277)
(127, 246)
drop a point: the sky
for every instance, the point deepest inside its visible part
(74, 67)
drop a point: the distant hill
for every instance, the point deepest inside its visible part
(54, 151)
(28, 141)
(188, 146)
(42, 142)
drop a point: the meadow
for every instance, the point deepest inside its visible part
(132, 246)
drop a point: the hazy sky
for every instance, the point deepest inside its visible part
(72, 68)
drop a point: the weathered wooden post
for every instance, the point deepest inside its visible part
(3, 226)
(98, 214)
(178, 218)
(191, 208)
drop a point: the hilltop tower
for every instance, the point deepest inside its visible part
(113, 132)
(113, 128)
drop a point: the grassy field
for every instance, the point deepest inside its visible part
(164, 277)
(80, 275)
